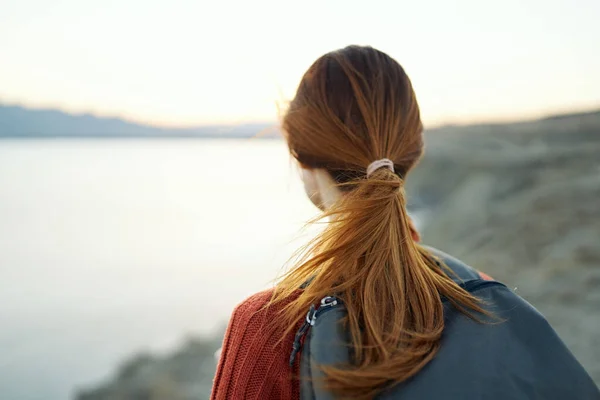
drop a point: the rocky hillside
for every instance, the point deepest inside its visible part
(522, 203)
(518, 201)
(184, 375)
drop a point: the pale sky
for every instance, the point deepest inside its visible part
(186, 62)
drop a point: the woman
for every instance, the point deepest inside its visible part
(355, 129)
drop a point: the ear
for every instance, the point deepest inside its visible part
(414, 232)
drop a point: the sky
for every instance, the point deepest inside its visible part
(193, 62)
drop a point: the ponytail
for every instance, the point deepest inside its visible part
(390, 285)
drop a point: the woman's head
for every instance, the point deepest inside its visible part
(354, 106)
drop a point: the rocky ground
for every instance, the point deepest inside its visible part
(518, 201)
(184, 375)
(522, 203)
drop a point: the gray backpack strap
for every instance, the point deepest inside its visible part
(312, 335)
(321, 337)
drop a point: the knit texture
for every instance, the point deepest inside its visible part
(253, 365)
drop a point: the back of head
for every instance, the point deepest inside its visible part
(355, 106)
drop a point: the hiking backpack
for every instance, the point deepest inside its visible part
(516, 356)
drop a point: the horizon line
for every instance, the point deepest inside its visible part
(440, 123)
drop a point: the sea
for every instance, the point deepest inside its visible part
(113, 246)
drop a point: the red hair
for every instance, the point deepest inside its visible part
(354, 106)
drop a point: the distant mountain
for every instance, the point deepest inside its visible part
(21, 122)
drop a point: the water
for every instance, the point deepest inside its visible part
(108, 247)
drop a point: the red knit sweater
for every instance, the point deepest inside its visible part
(253, 365)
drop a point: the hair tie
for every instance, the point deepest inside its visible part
(377, 164)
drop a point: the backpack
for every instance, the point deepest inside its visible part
(518, 356)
